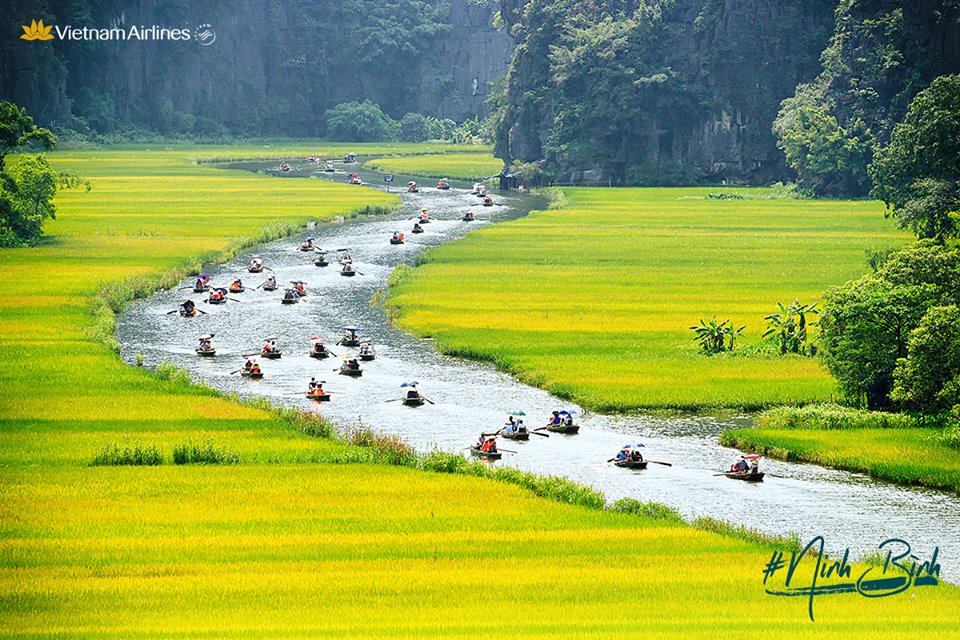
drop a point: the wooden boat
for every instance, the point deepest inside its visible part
(413, 190)
(237, 289)
(467, 218)
(320, 354)
(203, 289)
(748, 477)
(564, 428)
(271, 355)
(631, 464)
(252, 375)
(319, 397)
(206, 352)
(518, 435)
(488, 203)
(255, 268)
(349, 342)
(412, 402)
(486, 455)
(416, 230)
(396, 240)
(304, 246)
(217, 300)
(290, 297)
(188, 314)
(355, 373)
(267, 287)
(349, 273)
(290, 300)
(367, 357)
(321, 262)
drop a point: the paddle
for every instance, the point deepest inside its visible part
(505, 451)
(202, 311)
(237, 371)
(248, 355)
(235, 299)
(427, 399)
(611, 459)
(259, 285)
(395, 400)
(666, 464)
(537, 433)
(170, 313)
(359, 273)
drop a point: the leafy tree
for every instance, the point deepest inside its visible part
(360, 122)
(18, 130)
(789, 326)
(26, 199)
(926, 262)
(918, 174)
(864, 327)
(413, 128)
(928, 378)
(716, 337)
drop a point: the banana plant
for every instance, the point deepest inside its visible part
(716, 337)
(789, 325)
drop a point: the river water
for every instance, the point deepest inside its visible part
(849, 509)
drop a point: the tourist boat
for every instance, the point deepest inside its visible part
(486, 455)
(253, 375)
(415, 401)
(206, 352)
(319, 397)
(631, 464)
(748, 477)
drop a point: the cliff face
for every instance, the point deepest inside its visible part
(274, 68)
(656, 92)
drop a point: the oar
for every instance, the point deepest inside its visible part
(169, 313)
(248, 355)
(537, 433)
(505, 451)
(359, 272)
(426, 398)
(395, 400)
(237, 371)
(259, 285)
(235, 299)
(202, 311)
(666, 464)
(611, 459)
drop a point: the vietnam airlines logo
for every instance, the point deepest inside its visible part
(37, 31)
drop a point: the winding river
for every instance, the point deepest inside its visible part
(849, 509)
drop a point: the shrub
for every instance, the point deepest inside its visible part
(360, 122)
(203, 453)
(116, 454)
(790, 542)
(927, 379)
(649, 510)
(834, 416)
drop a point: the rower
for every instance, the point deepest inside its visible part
(313, 385)
(417, 228)
(271, 281)
(237, 284)
(205, 344)
(555, 421)
(423, 215)
(353, 365)
(490, 445)
(299, 287)
(187, 306)
(255, 368)
(248, 365)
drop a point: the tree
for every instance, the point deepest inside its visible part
(926, 380)
(18, 130)
(360, 122)
(864, 327)
(789, 326)
(26, 199)
(413, 128)
(713, 336)
(918, 174)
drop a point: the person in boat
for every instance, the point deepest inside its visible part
(622, 455)
(205, 344)
(187, 307)
(290, 294)
(396, 236)
(488, 199)
(299, 288)
(353, 365)
(255, 368)
(412, 186)
(489, 445)
(443, 184)
(412, 393)
(237, 284)
(740, 466)
(312, 386)
(521, 428)
(556, 420)
(199, 284)
(417, 228)
(216, 295)
(754, 466)
(248, 366)
(636, 456)
(568, 420)
(468, 215)
(366, 349)
(423, 215)
(270, 282)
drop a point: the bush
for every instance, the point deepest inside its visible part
(413, 128)
(360, 122)
(929, 377)
(834, 416)
(116, 454)
(203, 453)
(649, 510)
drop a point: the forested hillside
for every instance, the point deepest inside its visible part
(274, 69)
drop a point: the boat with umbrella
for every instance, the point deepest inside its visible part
(412, 397)
(367, 352)
(350, 337)
(629, 457)
(746, 469)
(290, 296)
(319, 349)
(562, 422)
(205, 348)
(350, 367)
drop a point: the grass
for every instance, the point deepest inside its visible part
(890, 446)
(593, 301)
(293, 540)
(466, 166)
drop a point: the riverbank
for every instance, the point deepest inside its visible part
(276, 544)
(465, 166)
(593, 302)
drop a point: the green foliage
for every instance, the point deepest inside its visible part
(866, 324)
(205, 452)
(716, 337)
(834, 416)
(413, 128)
(918, 174)
(360, 122)
(928, 379)
(126, 454)
(26, 199)
(17, 130)
(788, 326)
(650, 510)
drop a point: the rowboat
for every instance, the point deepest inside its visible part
(486, 455)
(567, 429)
(217, 300)
(631, 464)
(319, 397)
(748, 477)
(416, 230)
(271, 355)
(348, 272)
(267, 287)
(396, 241)
(251, 375)
(367, 357)
(237, 289)
(517, 435)
(467, 218)
(290, 300)
(345, 371)
(290, 297)
(320, 353)
(188, 314)
(305, 246)
(320, 262)
(255, 268)
(206, 352)
(349, 342)
(412, 402)
(202, 289)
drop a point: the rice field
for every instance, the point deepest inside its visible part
(285, 543)
(593, 301)
(465, 166)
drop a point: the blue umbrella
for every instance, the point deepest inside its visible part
(633, 446)
(354, 329)
(412, 383)
(568, 413)
(221, 290)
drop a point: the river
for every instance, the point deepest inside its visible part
(851, 510)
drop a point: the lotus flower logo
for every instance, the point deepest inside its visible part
(37, 31)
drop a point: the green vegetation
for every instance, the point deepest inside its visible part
(465, 166)
(116, 454)
(27, 188)
(362, 121)
(205, 452)
(593, 301)
(918, 173)
(867, 323)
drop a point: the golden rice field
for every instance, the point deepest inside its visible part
(459, 164)
(280, 547)
(594, 301)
